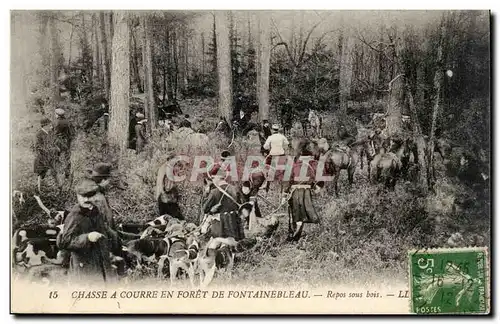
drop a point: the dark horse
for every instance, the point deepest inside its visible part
(391, 165)
(336, 159)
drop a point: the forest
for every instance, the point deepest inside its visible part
(430, 67)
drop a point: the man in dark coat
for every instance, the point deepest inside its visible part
(300, 205)
(88, 238)
(263, 135)
(140, 133)
(64, 136)
(185, 122)
(101, 175)
(45, 152)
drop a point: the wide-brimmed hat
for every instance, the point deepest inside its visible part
(101, 169)
(275, 127)
(224, 154)
(86, 186)
(60, 112)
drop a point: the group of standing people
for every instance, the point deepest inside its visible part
(53, 147)
(138, 133)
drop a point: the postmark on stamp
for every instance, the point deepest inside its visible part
(449, 281)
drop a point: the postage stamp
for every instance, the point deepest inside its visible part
(449, 281)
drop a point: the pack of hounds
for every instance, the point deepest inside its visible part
(170, 246)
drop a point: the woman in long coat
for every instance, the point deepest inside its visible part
(300, 203)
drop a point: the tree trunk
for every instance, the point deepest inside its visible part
(55, 55)
(393, 120)
(380, 57)
(164, 83)
(345, 77)
(202, 57)
(97, 51)
(106, 68)
(396, 92)
(111, 25)
(185, 82)
(257, 59)
(147, 61)
(438, 80)
(418, 136)
(84, 47)
(70, 45)
(224, 66)
(168, 77)
(135, 63)
(175, 70)
(265, 57)
(120, 84)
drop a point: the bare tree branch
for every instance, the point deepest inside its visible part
(306, 41)
(282, 41)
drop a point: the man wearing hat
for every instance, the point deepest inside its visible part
(276, 143)
(88, 238)
(101, 174)
(45, 152)
(140, 133)
(64, 135)
(185, 122)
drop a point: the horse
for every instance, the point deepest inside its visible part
(315, 123)
(337, 159)
(369, 148)
(391, 165)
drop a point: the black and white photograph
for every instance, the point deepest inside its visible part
(250, 161)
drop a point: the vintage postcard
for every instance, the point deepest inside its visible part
(250, 162)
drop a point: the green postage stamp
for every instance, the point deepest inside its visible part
(449, 281)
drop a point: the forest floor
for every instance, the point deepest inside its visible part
(364, 235)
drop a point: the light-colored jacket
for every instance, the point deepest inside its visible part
(276, 144)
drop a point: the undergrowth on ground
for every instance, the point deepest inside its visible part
(365, 232)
